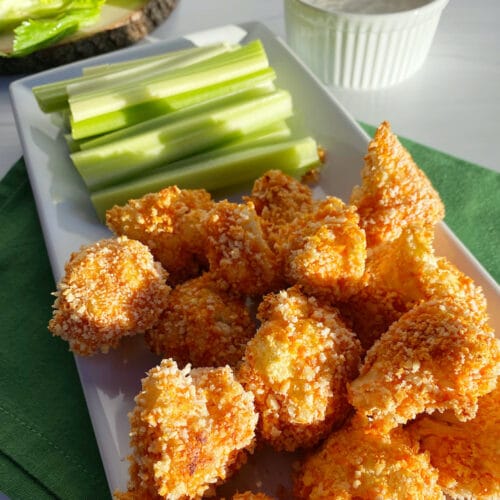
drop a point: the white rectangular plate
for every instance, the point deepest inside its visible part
(111, 381)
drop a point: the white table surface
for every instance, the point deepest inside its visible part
(452, 103)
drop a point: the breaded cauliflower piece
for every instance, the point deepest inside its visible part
(371, 311)
(297, 366)
(190, 430)
(409, 265)
(354, 464)
(279, 199)
(401, 273)
(394, 191)
(435, 357)
(237, 251)
(466, 454)
(325, 252)
(202, 325)
(111, 289)
(170, 224)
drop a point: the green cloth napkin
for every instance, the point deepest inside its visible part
(47, 447)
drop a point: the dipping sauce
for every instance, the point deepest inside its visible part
(367, 6)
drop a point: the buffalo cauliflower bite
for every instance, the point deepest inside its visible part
(202, 325)
(297, 366)
(409, 266)
(169, 223)
(238, 254)
(278, 200)
(325, 252)
(401, 273)
(353, 464)
(190, 430)
(466, 454)
(371, 311)
(436, 357)
(394, 191)
(111, 289)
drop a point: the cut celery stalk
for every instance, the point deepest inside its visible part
(224, 67)
(108, 81)
(54, 96)
(275, 132)
(271, 134)
(102, 69)
(176, 116)
(110, 163)
(133, 115)
(294, 158)
(73, 146)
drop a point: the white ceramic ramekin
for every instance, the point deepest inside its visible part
(361, 51)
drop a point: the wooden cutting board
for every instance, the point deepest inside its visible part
(122, 23)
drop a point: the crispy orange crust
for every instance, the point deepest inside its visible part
(169, 223)
(325, 251)
(466, 454)
(297, 366)
(409, 266)
(435, 357)
(111, 289)
(190, 430)
(237, 251)
(368, 269)
(353, 464)
(401, 273)
(371, 311)
(278, 200)
(394, 192)
(202, 325)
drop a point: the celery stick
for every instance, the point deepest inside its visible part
(175, 116)
(54, 96)
(227, 66)
(262, 78)
(275, 132)
(102, 69)
(294, 158)
(132, 115)
(122, 159)
(104, 82)
(73, 145)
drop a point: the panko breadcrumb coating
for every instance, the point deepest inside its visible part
(202, 325)
(278, 200)
(325, 252)
(434, 358)
(394, 191)
(401, 273)
(353, 464)
(466, 454)
(237, 251)
(111, 289)
(190, 430)
(371, 311)
(409, 266)
(169, 223)
(297, 366)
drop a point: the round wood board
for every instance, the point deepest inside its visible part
(122, 23)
